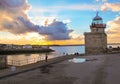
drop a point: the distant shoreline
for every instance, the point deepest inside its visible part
(24, 51)
(82, 44)
(73, 44)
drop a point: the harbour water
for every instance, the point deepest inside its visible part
(24, 59)
(61, 50)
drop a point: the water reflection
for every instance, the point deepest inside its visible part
(24, 59)
(60, 50)
(77, 60)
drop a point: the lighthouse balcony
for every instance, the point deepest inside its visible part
(98, 26)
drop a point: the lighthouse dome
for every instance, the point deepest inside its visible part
(97, 19)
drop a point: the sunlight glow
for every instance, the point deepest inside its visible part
(42, 20)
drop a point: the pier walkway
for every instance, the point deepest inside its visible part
(97, 69)
(9, 72)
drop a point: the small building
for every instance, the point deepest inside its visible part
(9, 46)
(27, 46)
(37, 46)
(2, 46)
(96, 40)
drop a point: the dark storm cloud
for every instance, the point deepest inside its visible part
(14, 19)
(56, 31)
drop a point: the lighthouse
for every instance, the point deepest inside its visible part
(96, 39)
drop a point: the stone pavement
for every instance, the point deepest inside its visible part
(97, 69)
(8, 72)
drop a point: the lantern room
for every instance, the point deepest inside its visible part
(97, 24)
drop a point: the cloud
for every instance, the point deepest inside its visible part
(15, 20)
(71, 7)
(114, 30)
(10, 12)
(115, 7)
(97, 0)
(67, 21)
(114, 26)
(78, 7)
(55, 31)
(29, 38)
(104, 1)
(80, 37)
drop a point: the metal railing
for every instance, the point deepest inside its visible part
(25, 61)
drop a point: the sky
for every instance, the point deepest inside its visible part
(61, 22)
